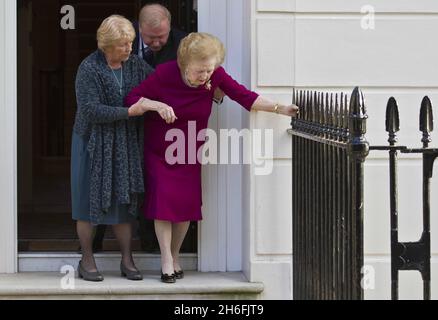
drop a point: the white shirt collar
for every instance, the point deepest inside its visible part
(141, 45)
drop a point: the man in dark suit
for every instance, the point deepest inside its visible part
(156, 42)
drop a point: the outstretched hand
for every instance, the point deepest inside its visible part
(143, 105)
(291, 111)
(166, 112)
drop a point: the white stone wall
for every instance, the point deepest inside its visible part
(320, 44)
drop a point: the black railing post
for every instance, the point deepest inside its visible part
(358, 149)
(345, 202)
(392, 127)
(426, 126)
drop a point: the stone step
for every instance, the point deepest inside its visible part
(106, 261)
(195, 285)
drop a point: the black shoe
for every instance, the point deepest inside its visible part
(179, 274)
(167, 278)
(88, 276)
(130, 274)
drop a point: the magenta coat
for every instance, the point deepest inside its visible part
(173, 190)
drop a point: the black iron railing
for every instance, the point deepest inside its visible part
(410, 255)
(328, 151)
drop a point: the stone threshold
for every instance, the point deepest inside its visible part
(106, 261)
(195, 285)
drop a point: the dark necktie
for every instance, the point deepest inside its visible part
(148, 55)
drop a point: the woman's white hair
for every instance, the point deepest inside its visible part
(113, 29)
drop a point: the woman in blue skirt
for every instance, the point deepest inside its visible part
(106, 155)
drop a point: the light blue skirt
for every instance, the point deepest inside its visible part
(80, 187)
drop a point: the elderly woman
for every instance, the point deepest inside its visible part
(106, 168)
(186, 87)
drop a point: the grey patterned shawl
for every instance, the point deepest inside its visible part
(115, 142)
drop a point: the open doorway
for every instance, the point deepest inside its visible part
(48, 57)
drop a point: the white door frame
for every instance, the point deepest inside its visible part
(8, 134)
(220, 232)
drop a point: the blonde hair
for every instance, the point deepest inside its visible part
(153, 14)
(199, 46)
(113, 29)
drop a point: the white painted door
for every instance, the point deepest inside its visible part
(8, 142)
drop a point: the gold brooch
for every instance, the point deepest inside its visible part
(208, 85)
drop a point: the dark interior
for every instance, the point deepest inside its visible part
(48, 58)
